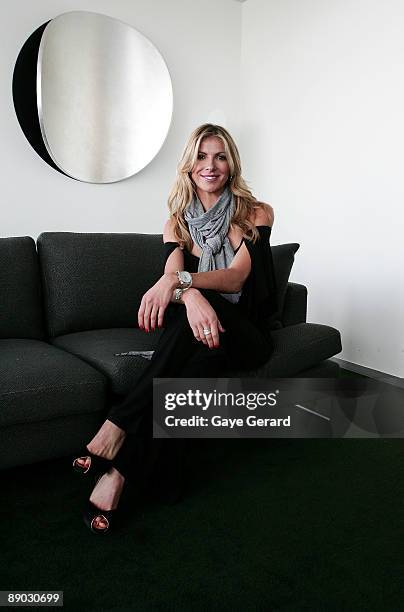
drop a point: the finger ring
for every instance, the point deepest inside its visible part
(207, 332)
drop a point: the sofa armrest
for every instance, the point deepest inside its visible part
(295, 307)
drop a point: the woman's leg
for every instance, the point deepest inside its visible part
(177, 354)
(128, 428)
(242, 345)
(245, 345)
(178, 350)
(143, 457)
(176, 344)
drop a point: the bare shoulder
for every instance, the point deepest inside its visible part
(168, 232)
(264, 214)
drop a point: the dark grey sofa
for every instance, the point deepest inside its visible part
(69, 307)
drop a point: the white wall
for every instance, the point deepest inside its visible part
(203, 57)
(322, 140)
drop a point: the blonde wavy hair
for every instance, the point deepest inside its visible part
(184, 188)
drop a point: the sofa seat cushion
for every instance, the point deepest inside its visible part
(100, 348)
(39, 381)
(296, 348)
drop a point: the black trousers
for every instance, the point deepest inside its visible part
(179, 354)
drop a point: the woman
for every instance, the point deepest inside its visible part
(214, 300)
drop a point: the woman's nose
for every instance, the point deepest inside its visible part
(209, 164)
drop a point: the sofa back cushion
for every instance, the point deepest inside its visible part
(96, 281)
(20, 289)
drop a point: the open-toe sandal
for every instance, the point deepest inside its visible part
(92, 513)
(97, 465)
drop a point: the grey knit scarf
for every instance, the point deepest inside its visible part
(209, 231)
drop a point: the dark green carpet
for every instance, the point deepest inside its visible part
(265, 525)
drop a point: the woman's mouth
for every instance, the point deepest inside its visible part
(209, 177)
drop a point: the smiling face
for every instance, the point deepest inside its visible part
(211, 170)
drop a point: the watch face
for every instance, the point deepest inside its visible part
(185, 277)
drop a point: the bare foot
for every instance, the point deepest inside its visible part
(106, 495)
(106, 443)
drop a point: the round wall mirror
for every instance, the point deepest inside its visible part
(93, 96)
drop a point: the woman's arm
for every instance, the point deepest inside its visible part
(156, 299)
(228, 280)
(264, 215)
(199, 312)
(231, 279)
(175, 262)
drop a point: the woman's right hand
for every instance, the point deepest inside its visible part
(202, 316)
(155, 301)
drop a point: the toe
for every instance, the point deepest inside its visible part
(83, 462)
(100, 523)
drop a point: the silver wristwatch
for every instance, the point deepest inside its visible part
(178, 294)
(184, 278)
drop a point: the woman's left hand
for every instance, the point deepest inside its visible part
(155, 301)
